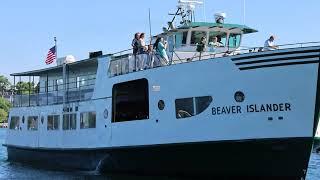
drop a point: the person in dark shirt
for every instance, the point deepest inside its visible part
(135, 43)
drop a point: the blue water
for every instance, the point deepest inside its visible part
(19, 171)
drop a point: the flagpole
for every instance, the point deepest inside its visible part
(55, 45)
(63, 74)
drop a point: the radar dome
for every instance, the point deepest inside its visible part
(219, 17)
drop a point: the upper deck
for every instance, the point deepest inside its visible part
(81, 75)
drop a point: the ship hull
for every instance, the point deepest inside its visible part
(316, 144)
(265, 158)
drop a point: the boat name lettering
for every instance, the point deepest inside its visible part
(251, 108)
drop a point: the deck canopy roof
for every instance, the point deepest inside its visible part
(82, 64)
(243, 28)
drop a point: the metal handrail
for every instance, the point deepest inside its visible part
(231, 51)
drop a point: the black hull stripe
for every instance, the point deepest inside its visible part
(275, 54)
(145, 146)
(279, 59)
(263, 158)
(279, 64)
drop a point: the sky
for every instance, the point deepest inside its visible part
(28, 27)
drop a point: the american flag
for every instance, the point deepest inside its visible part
(51, 55)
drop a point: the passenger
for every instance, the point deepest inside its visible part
(269, 44)
(142, 44)
(150, 57)
(214, 42)
(142, 58)
(160, 46)
(135, 43)
(135, 49)
(202, 45)
(219, 41)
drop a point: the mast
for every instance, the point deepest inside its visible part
(150, 30)
(63, 75)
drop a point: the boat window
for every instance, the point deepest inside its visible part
(202, 103)
(196, 36)
(33, 123)
(181, 38)
(14, 123)
(234, 40)
(53, 122)
(87, 120)
(130, 101)
(51, 85)
(184, 108)
(220, 35)
(59, 84)
(69, 121)
(188, 107)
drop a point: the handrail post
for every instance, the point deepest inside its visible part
(14, 88)
(47, 88)
(29, 90)
(20, 92)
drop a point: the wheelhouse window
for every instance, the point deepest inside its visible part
(234, 40)
(188, 107)
(181, 39)
(53, 122)
(196, 36)
(221, 37)
(69, 121)
(14, 123)
(88, 120)
(130, 101)
(32, 123)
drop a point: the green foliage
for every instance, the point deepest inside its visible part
(24, 87)
(4, 104)
(3, 116)
(4, 84)
(4, 109)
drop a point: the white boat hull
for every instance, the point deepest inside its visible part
(280, 89)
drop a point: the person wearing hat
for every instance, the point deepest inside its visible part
(269, 44)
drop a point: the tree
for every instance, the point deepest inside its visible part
(4, 104)
(3, 116)
(4, 109)
(4, 85)
(24, 87)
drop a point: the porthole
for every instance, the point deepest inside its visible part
(105, 113)
(239, 96)
(161, 105)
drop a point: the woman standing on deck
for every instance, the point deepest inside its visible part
(160, 46)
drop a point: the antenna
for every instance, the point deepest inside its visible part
(188, 7)
(204, 10)
(150, 30)
(244, 12)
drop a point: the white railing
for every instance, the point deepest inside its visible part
(125, 62)
(76, 94)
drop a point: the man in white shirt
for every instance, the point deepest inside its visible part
(269, 44)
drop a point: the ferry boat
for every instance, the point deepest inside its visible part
(220, 111)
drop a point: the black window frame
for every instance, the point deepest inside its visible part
(131, 105)
(191, 106)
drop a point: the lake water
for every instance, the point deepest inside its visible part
(19, 171)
